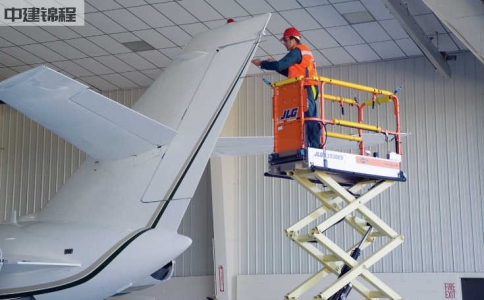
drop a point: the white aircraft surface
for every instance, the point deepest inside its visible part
(112, 228)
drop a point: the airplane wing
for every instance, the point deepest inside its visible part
(257, 145)
(99, 126)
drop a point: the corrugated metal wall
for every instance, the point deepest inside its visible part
(439, 209)
(35, 163)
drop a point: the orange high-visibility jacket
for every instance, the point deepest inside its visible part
(307, 63)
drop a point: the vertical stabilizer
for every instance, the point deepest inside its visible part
(222, 57)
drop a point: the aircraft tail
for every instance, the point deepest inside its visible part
(129, 206)
(161, 145)
(225, 54)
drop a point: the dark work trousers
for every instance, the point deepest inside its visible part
(312, 128)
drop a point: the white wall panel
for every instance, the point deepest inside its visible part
(408, 285)
(439, 209)
(35, 163)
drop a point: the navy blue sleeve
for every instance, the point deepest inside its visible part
(293, 57)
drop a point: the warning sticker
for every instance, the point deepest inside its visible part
(383, 163)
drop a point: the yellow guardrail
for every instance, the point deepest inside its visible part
(357, 125)
(379, 100)
(338, 99)
(352, 85)
(287, 81)
(336, 82)
(343, 136)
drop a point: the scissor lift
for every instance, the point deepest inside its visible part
(341, 181)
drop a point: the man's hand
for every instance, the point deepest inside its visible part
(270, 59)
(257, 62)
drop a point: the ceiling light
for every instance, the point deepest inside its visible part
(138, 46)
(358, 17)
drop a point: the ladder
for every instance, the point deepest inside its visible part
(343, 183)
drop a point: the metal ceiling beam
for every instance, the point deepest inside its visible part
(465, 18)
(416, 33)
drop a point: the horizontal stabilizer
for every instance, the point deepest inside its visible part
(243, 146)
(99, 126)
(258, 145)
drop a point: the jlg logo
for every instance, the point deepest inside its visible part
(289, 114)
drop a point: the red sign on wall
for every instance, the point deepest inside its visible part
(221, 278)
(449, 290)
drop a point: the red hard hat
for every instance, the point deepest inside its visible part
(291, 32)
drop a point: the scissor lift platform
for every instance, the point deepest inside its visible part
(343, 183)
(345, 168)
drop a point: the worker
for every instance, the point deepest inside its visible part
(298, 62)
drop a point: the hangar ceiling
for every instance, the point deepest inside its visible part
(338, 32)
